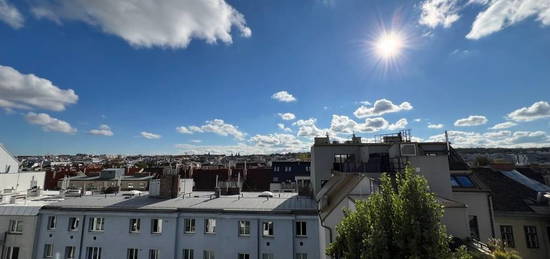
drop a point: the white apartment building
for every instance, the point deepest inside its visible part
(201, 225)
(12, 180)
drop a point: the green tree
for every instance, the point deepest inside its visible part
(402, 220)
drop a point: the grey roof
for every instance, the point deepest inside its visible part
(287, 203)
(19, 210)
(99, 178)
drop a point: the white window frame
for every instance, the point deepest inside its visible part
(16, 226)
(132, 253)
(244, 228)
(188, 253)
(158, 224)
(93, 252)
(210, 226)
(52, 222)
(301, 228)
(97, 224)
(10, 251)
(135, 225)
(189, 226)
(70, 252)
(154, 254)
(73, 223)
(267, 227)
(48, 250)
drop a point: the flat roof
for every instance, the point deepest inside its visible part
(284, 203)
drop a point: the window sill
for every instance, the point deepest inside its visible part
(189, 233)
(15, 233)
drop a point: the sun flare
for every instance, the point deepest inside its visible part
(389, 45)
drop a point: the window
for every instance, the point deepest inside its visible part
(276, 169)
(210, 226)
(208, 254)
(531, 236)
(301, 256)
(154, 254)
(93, 253)
(132, 253)
(16, 226)
(507, 236)
(474, 228)
(288, 169)
(48, 250)
(187, 253)
(244, 228)
(73, 223)
(267, 256)
(70, 252)
(268, 228)
(461, 181)
(156, 226)
(97, 224)
(135, 225)
(189, 225)
(301, 229)
(244, 256)
(51, 222)
(12, 252)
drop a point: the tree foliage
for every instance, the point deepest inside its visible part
(402, 220)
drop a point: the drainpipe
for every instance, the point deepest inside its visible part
(325, 227)
(294, 237)
(490, 201)
(36, 234)
(176, 248)
(258, 238)
(82, 236)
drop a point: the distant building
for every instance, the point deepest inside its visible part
(108, 179)
(199, 226)
(291, 176)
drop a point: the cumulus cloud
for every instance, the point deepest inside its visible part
(503, 13)
(10, 15)
(503, 138)
(283, 96)
(103, 130)
(308, 128)
(472, 120)
(503, 125)
(149, 135)
(183, 130)
(27, 91)
(287, 116)
(435, 126)
(538, 110)
(400, 124)
(497, 15)
(381, 107)
(150, 23)
(49, 123)
(215, 126)
(283, 127)
(439, 13)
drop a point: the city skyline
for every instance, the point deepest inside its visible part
(79, 77)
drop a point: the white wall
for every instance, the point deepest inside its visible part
(518, 223)
(24, 241)
(7, 160)
(478, 205)
(21, 181)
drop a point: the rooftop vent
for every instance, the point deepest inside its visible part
(408, 149)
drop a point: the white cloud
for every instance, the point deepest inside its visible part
(216, 126)
(49, 123)
(283, 96)
(503, 138)
(400, 124)
(343, 124)
(435, 126)
(439, 13)
(283, 127)
(417, 120)
(149, 135)
(10, 15)
(503, 13)
(183, 130)
(307, 128)
(287, 116)
(381, 107)
(373, 124)
(27, 91)
(536, 111)
(276, 140)
(196, 141)
(149, 23)
(472, 120)
(103, 130)
(503, 125)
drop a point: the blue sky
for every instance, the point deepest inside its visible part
(173, 77)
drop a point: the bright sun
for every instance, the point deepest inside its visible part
(389, 45)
